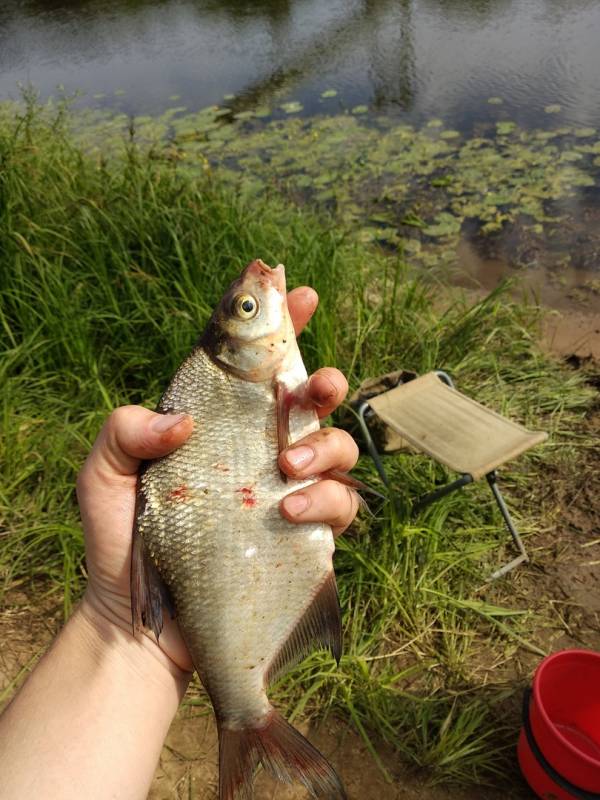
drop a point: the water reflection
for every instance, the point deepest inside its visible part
(416, 58)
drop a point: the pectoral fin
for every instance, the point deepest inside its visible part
(149, 593)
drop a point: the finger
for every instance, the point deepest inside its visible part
(326, 389)
(302, 304)
(325, 501)
(324, 450)
(133, 433)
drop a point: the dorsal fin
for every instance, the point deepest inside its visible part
(320, 626)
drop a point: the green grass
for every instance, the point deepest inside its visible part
(108, 272)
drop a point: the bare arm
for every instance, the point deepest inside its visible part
(91, 720)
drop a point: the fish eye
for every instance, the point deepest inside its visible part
(245, 306)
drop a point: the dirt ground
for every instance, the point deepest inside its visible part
(562, 581)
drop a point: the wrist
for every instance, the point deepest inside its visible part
(107, 634)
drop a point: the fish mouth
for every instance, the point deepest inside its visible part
(266, 276)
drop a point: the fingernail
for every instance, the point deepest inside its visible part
(299, 456)
(167, 421)
(295, 504)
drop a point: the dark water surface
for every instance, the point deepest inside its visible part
(475, 120)
(414, 58)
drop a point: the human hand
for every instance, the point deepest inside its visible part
(106, 489)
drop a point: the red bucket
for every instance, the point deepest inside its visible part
(559, 745)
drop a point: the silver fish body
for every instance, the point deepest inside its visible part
(252, 592)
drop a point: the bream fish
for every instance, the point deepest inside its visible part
(252, 592)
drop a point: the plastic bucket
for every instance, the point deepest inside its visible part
(559, 745)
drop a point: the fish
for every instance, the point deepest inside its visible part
(253, 594)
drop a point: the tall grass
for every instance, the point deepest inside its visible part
(108, 272)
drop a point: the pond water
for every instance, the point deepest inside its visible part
(414, 58)
(447, 118)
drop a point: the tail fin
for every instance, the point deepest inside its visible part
(282, 751)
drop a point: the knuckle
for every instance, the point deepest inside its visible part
(341, 447)
(340, 503)
(117, 418)
(82, 483)
(350, 448)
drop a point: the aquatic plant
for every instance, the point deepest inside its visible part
(385, 180)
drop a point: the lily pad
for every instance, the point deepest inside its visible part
(360, 109)
(293, 107)
(444, 225)
(241, 115)
(584, 132)
(329, 93)
(505, 127)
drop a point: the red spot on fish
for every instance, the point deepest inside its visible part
(248, 498)
(179, 494)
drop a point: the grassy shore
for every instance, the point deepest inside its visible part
(108, 272)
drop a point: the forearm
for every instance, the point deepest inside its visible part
(91, 719)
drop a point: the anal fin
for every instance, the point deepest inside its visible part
(320, 626)
(149, 593)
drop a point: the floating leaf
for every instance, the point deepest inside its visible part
(449, 135)
(329, 93)
(435, 123)
(241, 115)
(584, 132)
(445, 225)
(495, 101)
(228, 97)
(570, 155)
(553, 108)
(412, 246)
(293, 107)
(368, 234)
(360, 109)
(174, 97)
(505, 127)
(119, 92)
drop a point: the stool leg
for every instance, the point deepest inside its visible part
(491, 478)
(371, 445)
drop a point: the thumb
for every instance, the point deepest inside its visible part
(131, 434)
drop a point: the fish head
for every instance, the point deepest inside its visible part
(251, 331)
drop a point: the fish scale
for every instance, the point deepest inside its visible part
(252, 592)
